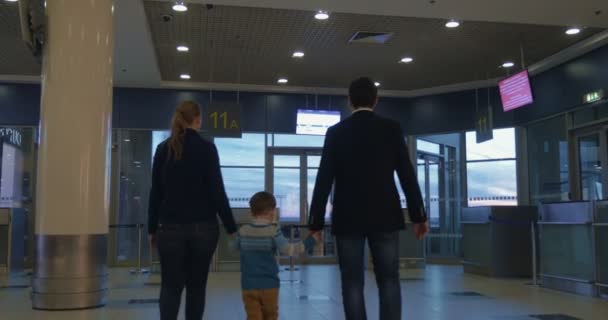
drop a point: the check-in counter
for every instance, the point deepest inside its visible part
(12, 243)
(567, 254)
(600, 228)
(497, 240)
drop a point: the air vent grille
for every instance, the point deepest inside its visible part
(371, 37)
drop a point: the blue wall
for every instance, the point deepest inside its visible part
(556, 90)
(562, 88)
(19, 104)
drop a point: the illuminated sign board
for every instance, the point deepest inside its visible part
(593, 96)
(12, 136)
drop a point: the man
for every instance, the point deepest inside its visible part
(360, 156)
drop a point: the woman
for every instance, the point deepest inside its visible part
(186, 197)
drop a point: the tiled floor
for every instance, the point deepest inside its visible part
(444, 293)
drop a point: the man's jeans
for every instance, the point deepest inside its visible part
(384, 248)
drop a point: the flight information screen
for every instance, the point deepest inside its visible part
(316, 122)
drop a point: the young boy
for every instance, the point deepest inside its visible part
(258, 243)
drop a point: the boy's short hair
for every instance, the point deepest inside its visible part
(262, 202)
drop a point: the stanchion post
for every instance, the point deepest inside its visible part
(9, 253)
(534, 268)
(292, 266)
(139, 269)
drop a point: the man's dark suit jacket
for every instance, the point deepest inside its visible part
(360, 157)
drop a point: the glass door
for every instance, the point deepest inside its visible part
(590, 163)
(429, 172)
(438, 186)
(291, 176)
(590, 167)
(286, 186)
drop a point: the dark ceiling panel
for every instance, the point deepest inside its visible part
(15, 57)
(254, 46)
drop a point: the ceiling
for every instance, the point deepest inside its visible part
(251, 44)
(247, 45)
(15, 56)
(586, 13)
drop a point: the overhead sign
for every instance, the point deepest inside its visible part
(593, 96)
(515, 91)
(223, 120)
(12, 136)
(484, 124)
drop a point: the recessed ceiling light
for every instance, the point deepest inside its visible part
(282, 80)
(12, 0)
(185, 76)
(322, 15)
(298, 54)
(179, 6)
(127, 140)
(573, 31)
(183, 49)
(377, 84)
(508, 64)
(406, 60)
(452, 24)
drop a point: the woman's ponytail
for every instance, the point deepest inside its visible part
(183, 118)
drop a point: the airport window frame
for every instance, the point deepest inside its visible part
(243, 201)
(513, 159)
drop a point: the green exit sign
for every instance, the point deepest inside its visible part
(593, 96)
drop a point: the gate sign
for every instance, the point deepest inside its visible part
(484, 124)
(223, 120)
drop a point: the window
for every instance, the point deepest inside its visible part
(247, 151)
(292, 140)
(241, 184)
(491, 169)
(242, 161)
(429, 147)
(157, 138)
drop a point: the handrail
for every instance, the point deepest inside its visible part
(125, 226)
(544, 223)
(566, 278)
(475, 222)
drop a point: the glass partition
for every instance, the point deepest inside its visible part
(567, 252)
(134, 166)
(548, 161)
(18, 156)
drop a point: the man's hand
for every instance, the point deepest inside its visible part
(152, 239)
(317, 235)
(421, 229)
